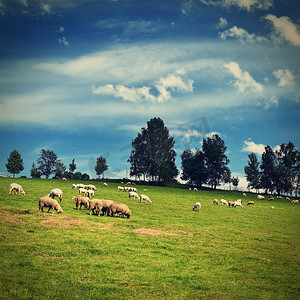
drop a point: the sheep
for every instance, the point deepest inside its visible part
(105, 184)
(120, 188)
(93, 205)
(90, 193)
(134, 195)
(145, 198)
(74, 186)
(239, 200)
(91, 187)
(103, 206)
(250, 203)
(237, 203)
(120, 208)
(65, 179)
(79, 200)
(244, 195)
(260, 197)
(230, 203)
(82, 191)
(197, 206)
(295, 201)
(56, 192)
(215, 202)
(195, 189)
(51, 203)
(16, 187)
(223, 202)
(271, 198)
(279, 197)
(272, 207)
(287, 198)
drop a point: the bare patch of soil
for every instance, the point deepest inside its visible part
(147, 231)
(9, 219)
(52, 223)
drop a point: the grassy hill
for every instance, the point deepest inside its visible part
(164, 251)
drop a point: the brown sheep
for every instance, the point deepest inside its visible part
(216, 202)
(93, 205)
(271, 198)
(79, 200)
(230, 203)
(120, 208)
(250, 203)
(103, 205)
(51, 203)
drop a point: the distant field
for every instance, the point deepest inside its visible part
(164, 251)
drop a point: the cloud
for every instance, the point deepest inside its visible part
(250, 146)
(164, 86)
(285, 77)
(61, 29)
(284, 28)
(222, 23)
(244, 80)
(242, 4)
(241, 34)
(63, 41)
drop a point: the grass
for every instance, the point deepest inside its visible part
(164, 251)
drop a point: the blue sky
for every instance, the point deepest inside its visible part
(82, 77)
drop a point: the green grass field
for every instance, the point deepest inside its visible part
(164, 251)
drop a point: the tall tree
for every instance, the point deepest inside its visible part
(60, 169)
(46, 162)
(252, 172)
(101, 166)
(268, 170)
(235, 181)
(34, 172)
(193, 167)
(72, 166)
(216, 160)
(153, 154)
(14, 163)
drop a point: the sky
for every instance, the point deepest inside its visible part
(81, 78)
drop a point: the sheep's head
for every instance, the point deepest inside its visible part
(23, 193)
(128, 214)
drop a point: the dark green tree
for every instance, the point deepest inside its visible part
(269, 171)
(235, 181)
(72, 166)
(216, 160)
(60, 169)
(153, 154)
(193, 167)
(34, 172)
(14, 163)
(101, 166)
(46, 162)
(252, 172)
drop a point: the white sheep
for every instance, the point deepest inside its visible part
(55, 192)
(120, 188)
(16, 187)
(82, 191)
(244, 194)
(51, 203)
(65, 179)
(145, 198)
(134, 195)
(223, 202)
(105, 184)
(197, 206)
(90, 193)
(195, 189)
(74, 186)
(260, 197)
(91, 187)
(237, 203)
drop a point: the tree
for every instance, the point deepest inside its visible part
(235, 181)
(46, 162)
(101, 166)
(268, 170)
(14, 163)
(60, 169)
(34, 172)
(252, 172)
(216, 160)
(153, 154)
(72, 166)
(193, 167)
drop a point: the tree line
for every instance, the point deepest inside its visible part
(152, 158)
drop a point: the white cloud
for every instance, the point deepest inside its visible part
(242, 4)
(63, 41)
(285, 29)
(285, 77)
(244, 80)
(211, 134)
(164, 86)
(241, 34)
(250, 146)
(222, 23)
(46, 8)
(61, 29)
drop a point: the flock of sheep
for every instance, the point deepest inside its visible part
(95, 206)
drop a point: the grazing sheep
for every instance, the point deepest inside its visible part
(120, 188)
(90, 193)
(215, 202)
(103, 206)
(237, 203)
(230, 203)
(16, 187)
(272, 207)
(195, 189)
(81, 185)
(91, 187)
(197, 206)
(223, 202)
(56, 192)
(260, 197)
(295, 201)
(82, 191)
(93, 204)
(79, 200)
(74, 186)
(287, 198)
(105, 184)
(279, 197)
(119, 208)
(250, 203)
(65, 179)
(145, 198)
(134, 195)
(244, 195)
(271, 198)
(190, 189)
(51, 203)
